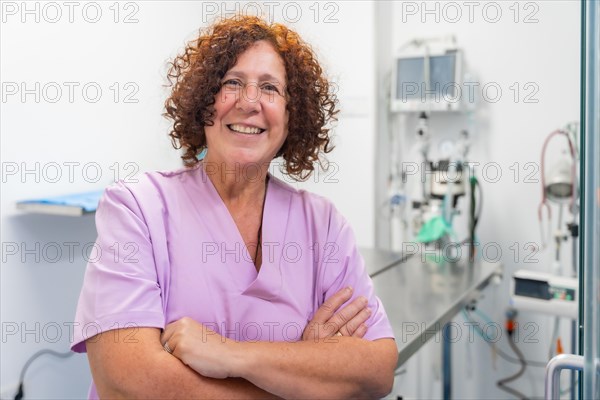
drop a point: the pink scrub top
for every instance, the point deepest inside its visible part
(168, 248)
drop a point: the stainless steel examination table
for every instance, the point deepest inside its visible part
(421, 297)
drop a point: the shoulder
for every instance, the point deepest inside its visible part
(152, 182)
(148, 190)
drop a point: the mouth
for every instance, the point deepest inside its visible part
(245, 130)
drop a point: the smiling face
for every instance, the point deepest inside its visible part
(250, 121)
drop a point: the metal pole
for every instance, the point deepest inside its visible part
(553, 369)
(590, 256)
(573, 350)
(447, 363)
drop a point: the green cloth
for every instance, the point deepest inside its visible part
(433, 230)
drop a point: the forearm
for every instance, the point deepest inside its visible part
(324, 369)
(168, 377)
(153, 373)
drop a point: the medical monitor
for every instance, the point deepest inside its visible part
(427, 82)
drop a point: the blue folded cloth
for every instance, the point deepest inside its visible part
(88, 201)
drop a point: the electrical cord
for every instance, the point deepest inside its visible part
(475, 211)
(472, 222)
(480, 202)
(521, 360)
(502, 354)
(21, 392)
(502, 382)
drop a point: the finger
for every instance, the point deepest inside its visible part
(351, 326)
(360, 331)
(330, 306)
(346, 314)
(168, 332)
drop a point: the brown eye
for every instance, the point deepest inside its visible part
(232, 83)
(270, 87)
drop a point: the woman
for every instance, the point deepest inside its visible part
(231, 283)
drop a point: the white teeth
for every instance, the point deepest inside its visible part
(245, 129)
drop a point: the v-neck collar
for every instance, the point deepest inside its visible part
(267, 282)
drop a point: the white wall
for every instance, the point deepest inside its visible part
(341, 29)
(509, 131)
(39, 289)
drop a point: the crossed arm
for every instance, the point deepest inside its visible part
(207, 365)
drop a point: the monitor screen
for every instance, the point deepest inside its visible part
(442, 71)
(410, 79)
(411, 75)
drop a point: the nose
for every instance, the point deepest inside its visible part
(249, 98)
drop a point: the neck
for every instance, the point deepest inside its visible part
(237, 184)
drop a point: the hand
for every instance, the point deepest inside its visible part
(349, 321)
(199, 347)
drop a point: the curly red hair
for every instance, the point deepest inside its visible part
(196, 78)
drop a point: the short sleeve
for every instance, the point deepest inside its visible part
(120, 286)
(344, 266)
